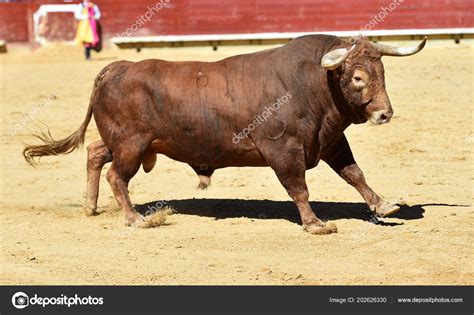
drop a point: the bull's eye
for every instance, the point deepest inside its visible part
(360, 79)
(358, 82)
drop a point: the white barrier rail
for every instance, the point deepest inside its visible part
(215, 40)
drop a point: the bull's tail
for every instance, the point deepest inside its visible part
(56, 147)
(69, 144)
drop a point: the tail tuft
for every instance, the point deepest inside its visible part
(53, 147)
(204, 182)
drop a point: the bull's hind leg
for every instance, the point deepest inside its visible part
(97, 155)
(126, 162)
(341, 160)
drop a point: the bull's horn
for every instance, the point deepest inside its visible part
(386, 50)
(335, 58)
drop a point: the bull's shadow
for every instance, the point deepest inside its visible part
(263, 209)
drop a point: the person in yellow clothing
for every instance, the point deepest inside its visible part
(88, 28)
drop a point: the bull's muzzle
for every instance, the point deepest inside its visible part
(381, 116)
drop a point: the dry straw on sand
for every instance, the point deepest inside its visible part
(156, 219)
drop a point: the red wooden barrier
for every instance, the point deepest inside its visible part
(247, 16)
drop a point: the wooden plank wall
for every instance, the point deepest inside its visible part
(244, 16)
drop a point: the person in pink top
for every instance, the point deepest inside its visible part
(88, 29)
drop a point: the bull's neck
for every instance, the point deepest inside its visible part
(335, 117)
(337, 103)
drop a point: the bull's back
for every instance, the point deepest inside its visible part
(192, 109)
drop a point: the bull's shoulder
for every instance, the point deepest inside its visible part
(320, 39)
(309, 44)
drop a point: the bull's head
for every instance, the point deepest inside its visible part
(359, 74)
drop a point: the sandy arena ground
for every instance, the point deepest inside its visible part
(244, 229)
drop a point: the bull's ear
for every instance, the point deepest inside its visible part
(334, 59)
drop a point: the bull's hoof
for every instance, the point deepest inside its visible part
(384, 209)
(318, 229)
(134, 220)
(89, 211)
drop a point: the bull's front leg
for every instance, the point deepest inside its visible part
(341, 160)
(288, 163)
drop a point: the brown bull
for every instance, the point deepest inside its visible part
(286, 108)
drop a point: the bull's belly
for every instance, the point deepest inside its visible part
(200, 155)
